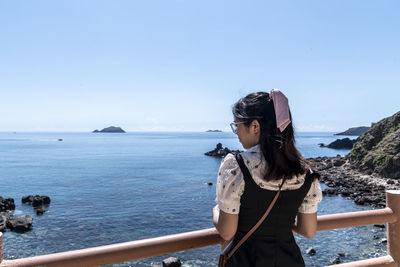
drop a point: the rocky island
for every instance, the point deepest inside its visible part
(220, 151)
(111, 129)
(213, 131)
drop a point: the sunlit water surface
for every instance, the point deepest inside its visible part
(110, 188)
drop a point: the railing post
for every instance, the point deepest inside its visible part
(393, 229)
(1, 247)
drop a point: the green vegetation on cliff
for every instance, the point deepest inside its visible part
(378, 149)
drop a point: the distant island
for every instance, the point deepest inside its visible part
(110, 129)
(213, 131)
(356, 131)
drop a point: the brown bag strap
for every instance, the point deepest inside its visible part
(257, 224)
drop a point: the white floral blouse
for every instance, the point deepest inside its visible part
(230, 185)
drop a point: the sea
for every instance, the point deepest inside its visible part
(118, 187)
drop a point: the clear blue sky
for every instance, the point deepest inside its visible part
(180, 65)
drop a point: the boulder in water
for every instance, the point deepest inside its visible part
(311, 251)
(36, 200)
(4, 216)
(7, 204)
(20, 224)
(335, 261)
(171, 262)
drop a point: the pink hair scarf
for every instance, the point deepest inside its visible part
(281, 106)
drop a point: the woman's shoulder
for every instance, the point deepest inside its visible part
(230, 185)
(229, 166)
(292, 183)
(229, 159)
(255, 162)
(253, 158)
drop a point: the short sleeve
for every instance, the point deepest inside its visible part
(313, 197)
(230, 185)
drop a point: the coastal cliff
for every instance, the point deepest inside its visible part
(378, 150)
(371, 167)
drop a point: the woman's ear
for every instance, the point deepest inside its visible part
(255, 127)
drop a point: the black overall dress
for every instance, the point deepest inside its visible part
(272, 244)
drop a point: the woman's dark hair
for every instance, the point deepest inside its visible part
(279, 150)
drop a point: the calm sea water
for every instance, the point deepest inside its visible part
(110, 188)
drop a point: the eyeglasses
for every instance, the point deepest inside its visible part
(234, 126)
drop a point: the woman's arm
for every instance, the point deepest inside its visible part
(225, 223)
(306, 224)
(306, 221)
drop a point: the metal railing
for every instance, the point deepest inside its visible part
(134, 250)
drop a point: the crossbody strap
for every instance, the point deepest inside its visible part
(244, 169)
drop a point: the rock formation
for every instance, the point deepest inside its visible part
(6, 204)
(14, 223)
(36, 201)
(220, 151)
(7, 221)
(4, 216)
(20, 224)
(171, 262)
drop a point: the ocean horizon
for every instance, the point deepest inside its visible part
(111, 188)
(154, 131)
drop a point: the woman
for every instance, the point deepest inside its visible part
(262, 122)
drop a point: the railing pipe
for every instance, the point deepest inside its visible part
(121, 252)
(385, 261)
(393, 229)
(357, 218)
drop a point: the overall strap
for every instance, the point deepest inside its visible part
(271, 205)
(308, 179)
(246, 173)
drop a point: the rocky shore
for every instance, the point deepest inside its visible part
(371, 167)
(342, 178)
